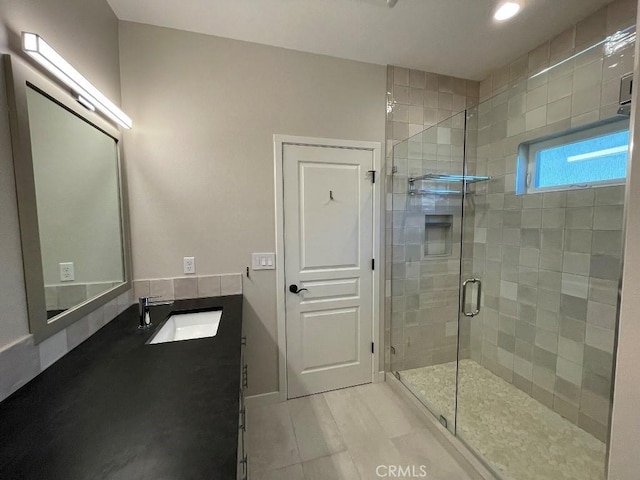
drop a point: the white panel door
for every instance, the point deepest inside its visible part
(328, 237)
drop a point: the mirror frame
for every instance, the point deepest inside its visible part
(19, 76)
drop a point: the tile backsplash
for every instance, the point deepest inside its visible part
(22, 360)
(61, 297)
(179, 288)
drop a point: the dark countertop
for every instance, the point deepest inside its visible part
(115, 408)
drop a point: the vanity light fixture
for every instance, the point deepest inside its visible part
(87, 94)
(506, 10)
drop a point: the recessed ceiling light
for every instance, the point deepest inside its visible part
(506, 10)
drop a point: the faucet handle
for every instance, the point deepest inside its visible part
(145, 300)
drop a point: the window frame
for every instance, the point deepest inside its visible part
(527, 151)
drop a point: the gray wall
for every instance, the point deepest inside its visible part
(86, 33)
(200, 159)
(550, 262)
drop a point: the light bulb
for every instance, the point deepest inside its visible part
(506, 11)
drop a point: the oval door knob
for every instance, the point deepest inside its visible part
(293, 288)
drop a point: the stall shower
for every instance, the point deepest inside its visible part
(506, 254)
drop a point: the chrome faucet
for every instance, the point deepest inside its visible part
(143, 309)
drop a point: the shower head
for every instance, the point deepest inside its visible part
(391, 3)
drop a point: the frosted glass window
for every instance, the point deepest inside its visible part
(588, 157)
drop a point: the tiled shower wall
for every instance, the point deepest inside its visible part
(421, 303)
(550, 262)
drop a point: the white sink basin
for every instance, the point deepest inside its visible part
(186, 326)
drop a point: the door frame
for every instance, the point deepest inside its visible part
(279, 141)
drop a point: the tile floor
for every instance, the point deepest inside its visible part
(520, 437)
(345, 435)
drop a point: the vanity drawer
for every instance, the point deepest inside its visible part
(243, 467)
(244, 369)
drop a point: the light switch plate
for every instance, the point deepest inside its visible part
(263, 261)
(67, 273)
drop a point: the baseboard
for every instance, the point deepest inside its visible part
(465, 458)
(263, 399)
(378, 377)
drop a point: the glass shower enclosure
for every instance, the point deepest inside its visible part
(504, 290)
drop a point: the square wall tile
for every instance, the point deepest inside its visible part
(96, 320)
(575, 285)
(71, 295)
(570, 371)
(592, 29)
(231, 284)
(600, 338)
(607, 242)
(141, 288)
(581, 198)
(602, 314)
(110, 311)
(544, 377)
(566, 409)
(124, 301)
(162, 288)
(608, 217)
(570, 350)
(184, 288)
(563, 43)
(576, 263)
(51, 297)
(544, 396)
(567, 391)
(19, 363)
(52, 349)
(606, 267)
(595, 406)
(573, 307)
(209, 286)
(572, 329)
(598, 361)
(78, 332)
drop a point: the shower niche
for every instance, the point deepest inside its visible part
(438, 232)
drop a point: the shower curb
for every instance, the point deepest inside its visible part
(465, 458)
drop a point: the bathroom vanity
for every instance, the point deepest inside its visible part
(117, 407)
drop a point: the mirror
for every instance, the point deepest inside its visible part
(75, 169)
(71, 201)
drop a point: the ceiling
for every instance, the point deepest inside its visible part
(450, 37)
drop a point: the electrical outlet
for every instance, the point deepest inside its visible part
(67, 273)
(189, 265)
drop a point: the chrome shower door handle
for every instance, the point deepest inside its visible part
(464, 297)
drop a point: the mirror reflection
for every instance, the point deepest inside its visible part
(75, 166)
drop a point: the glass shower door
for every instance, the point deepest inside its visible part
(427, 236)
